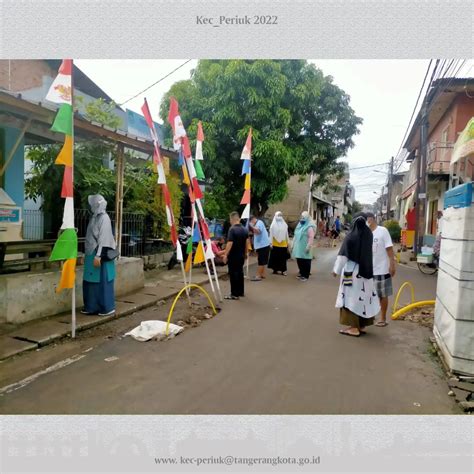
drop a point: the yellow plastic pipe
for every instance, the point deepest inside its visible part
(405, 309)
(191, 285)
(407, 283)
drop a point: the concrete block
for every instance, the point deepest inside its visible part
(458, 223)
(458, 254)
(456, 296)
(31, 295)
(10, 347)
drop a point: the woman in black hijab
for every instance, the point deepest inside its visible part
(356, 299)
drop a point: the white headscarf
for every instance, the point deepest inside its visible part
(279, 228)
(97, 203)
(99, 231)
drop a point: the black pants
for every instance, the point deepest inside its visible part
(236, 276)
(304, 266)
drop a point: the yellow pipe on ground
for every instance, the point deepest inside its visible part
(405, 309)
(407, 283)
(191, 285)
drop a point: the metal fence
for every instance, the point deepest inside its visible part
(137, 237)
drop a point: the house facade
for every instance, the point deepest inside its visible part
(451, 106)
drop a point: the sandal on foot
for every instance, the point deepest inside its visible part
(231, 297)
(345, 332)
(381, 324)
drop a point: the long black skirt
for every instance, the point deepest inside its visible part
(278, 259)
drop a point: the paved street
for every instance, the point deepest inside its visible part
(277, 351)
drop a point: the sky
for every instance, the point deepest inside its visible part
(383, 93)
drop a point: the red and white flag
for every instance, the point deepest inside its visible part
(176, 123)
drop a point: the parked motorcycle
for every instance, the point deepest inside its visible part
(184, 234)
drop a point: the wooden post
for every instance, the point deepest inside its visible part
(120, 168)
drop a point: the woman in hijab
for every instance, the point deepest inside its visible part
(279, 242)
(356, 298)
(99, 275)
(302, 244)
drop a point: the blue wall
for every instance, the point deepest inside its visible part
(14, 175)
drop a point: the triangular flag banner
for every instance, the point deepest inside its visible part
(199, 156)
(185, 175)
(197, 190)
(179, 253)
(147, 114)
(196, 234)
(247, 181)
(189, 262)
(174, 234)
(191, 195)
(246, 197)
(65, 155)
(60, 91)
(204, 229)
(156, 156)
(246, 167)
(199, 171)
(169, 217)
(189, 247)
(65, 247)
(191, 169)
(246, 212)
(247, 151)
(176, 124)
(199, 256)
(63, 120)
(161, 173)
(68, 214)
(68, 275)
(180, 158)
(67, 190)
(166, 194)
(201, 210)
(209, 253)
(200, 133)
(186, 147)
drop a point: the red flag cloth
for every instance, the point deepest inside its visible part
(246, 197)
(197, 190)
(200, 134)
(174, 111)
(67, 189)
(147, 114)
(191, 195)
(186, 147)
(166, 194)
(174, 235)
(66, 67)
(204, 229)
(156, 156)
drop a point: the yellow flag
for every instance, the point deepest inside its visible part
(189, 260)
(185, 175)
(68, 275)
(65, 155)
(249, 246)
(247, 181)
(199, 257)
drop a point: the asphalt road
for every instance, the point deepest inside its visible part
(277, 351)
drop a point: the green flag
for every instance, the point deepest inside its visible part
(199, 171)
(63, 121)
(65, 247)
(189, 248)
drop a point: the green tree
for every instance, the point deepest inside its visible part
(301, 122)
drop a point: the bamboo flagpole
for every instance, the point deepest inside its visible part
(65, 248)
(158, 164)
(246, 198)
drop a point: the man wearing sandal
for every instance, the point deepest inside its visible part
(383, 264)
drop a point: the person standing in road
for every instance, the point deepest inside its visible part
(279, 240)
(302, 245)
(356, 299)
(261, 244)
(234, 255)
(383, 264)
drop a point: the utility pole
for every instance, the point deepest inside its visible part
(389, 187)
(421, 180)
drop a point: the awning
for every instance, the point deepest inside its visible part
(464, 145)
(408, 191)
(322, 200)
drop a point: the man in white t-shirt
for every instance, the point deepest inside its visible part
(384, 265)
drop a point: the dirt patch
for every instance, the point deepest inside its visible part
(422, 316)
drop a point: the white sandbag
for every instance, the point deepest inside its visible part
(153, 329)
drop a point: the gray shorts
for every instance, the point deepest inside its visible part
(383, 285)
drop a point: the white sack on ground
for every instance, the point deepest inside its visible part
(153, 329)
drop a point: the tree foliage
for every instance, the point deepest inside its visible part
(301, 122)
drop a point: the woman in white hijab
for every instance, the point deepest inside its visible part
(99, 272)
(279, 242)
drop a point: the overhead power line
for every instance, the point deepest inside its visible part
(368, 166)
(156, 82)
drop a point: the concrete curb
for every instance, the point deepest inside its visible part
(46, 331)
